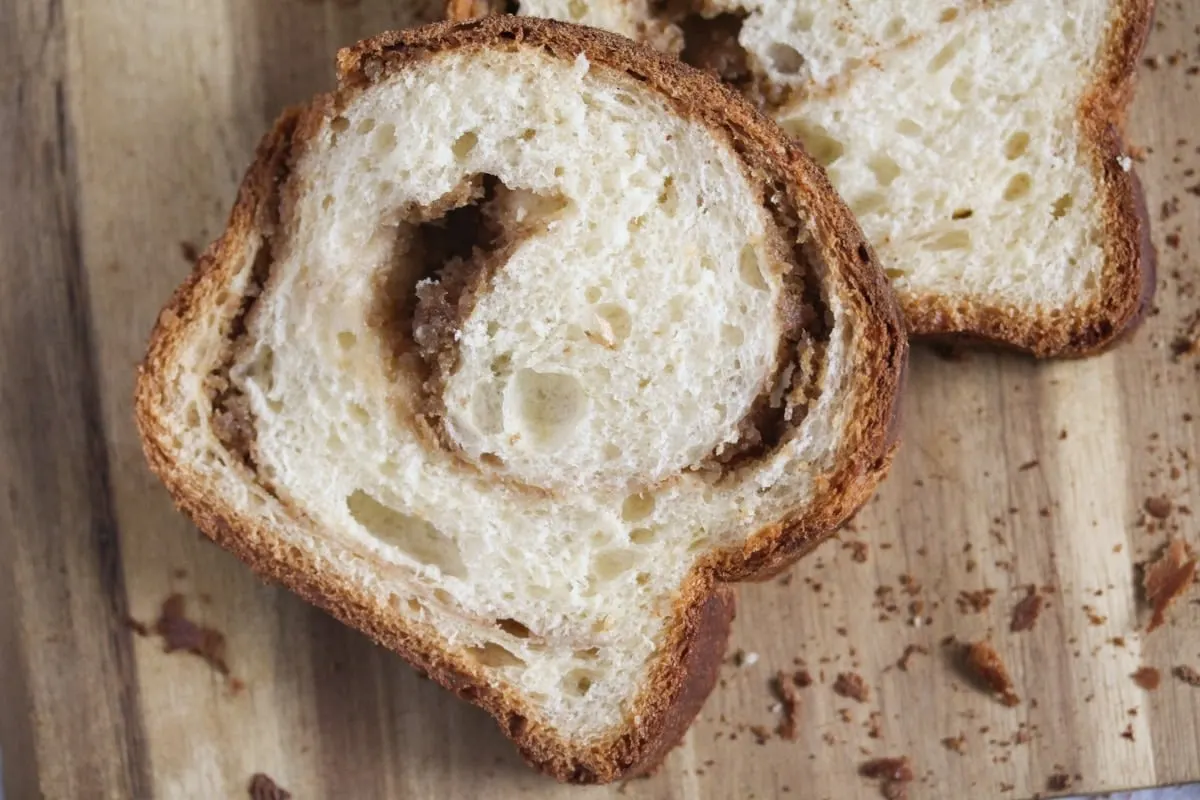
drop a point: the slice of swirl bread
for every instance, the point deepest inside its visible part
(518, 347)
(977, 141)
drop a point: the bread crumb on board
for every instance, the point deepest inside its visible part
(1148, 678)
(1026, 611)
(1166, 579)
(263, 787)
(984, 664)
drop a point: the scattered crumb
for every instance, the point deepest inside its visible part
(760, 733)
(190, 254)
(743, 659)
(983, 663)
(1026, 611)
(790, 705)
(1128, 732)
(1166, 579)
(975, 601)
(896, 774)
(909, 651)
(956, 744)
(1028, 465)
(1157, 507)
(1148, 678)
(858, 551)
(875, 725)
(1058, 782)
(262, 787)
(1187, 674)
(1095, 618)
(802, 678)
(851, 685)
(137, 627)
(180, 633)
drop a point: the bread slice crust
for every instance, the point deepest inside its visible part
(685, 671)
(1125, 291)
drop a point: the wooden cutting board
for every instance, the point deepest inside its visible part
(123, 132)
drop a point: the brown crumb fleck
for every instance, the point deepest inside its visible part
(875, 725)
(956, 744)
(180, 633)
(1187, 674)
(1094, 617)
(1058, 782)
(1128, 732)
(895, 773)
(1028, 465)
(1026, 611)
(802, 678)
(909, 652)
(1166, 579)
(263, 787)
(858, 551)
(786, 692)
(189, 251)
(140, 628)
(1148, 678)
(1157, 507)
(984, 664)
(851, 685)
(760, 733)
(974, 601)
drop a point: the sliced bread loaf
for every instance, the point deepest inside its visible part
(976, 140)
(518, 347)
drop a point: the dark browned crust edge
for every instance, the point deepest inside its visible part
(686, 670)
(1128, 277)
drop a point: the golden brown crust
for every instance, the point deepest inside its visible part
(1128, 276)
(685, 670)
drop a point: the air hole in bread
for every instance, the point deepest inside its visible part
(893, 273)
(884, 169)
(415, 606)
(359, 414)
(950, 240)
(637, 507)
(495, 655)
(962, 213)
(948, 15)
(327, 202)
(668, 197)
(443, 597)
(908, 127)
(576, 9)
(643, 536)
(823, 147)
(732, 335)
(590, 654)
(193, 416)
(785, 59)
(513, 628)
(1016, 145)
(1018, 186)
(608, 565)
(1069, 27)
(946, 54)
(338, 125)
(960, 89)
(414, 536)
(868, 203)
(464, 144)
(347, 340)
(611, 451)
(545, 407)
(579, 681)
(894, 28)
(750, 270)
(383, 140)
(615, 322)
(365, 126)
(1062, 205)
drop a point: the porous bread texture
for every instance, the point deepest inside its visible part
(642, 314)
(970, 139)
(683, 337)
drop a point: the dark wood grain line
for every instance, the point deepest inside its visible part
(70, 656)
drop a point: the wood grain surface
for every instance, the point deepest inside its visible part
(124, 129)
